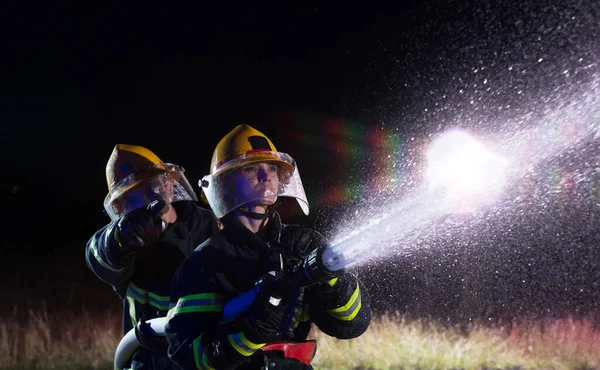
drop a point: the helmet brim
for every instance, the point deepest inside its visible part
(182, 190)
(214, 186)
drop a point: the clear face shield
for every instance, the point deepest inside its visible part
(158, 182)
(241, 182)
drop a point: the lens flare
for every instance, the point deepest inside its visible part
(464, 171)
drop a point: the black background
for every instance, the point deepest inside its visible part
(76, 79)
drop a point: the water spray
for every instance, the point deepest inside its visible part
(463, 174)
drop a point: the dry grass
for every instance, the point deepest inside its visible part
(61, 341)
(85, 341)
(395, 343)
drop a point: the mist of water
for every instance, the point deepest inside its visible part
(570, 126)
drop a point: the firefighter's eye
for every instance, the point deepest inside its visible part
(250, 169)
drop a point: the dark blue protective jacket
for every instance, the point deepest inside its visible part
(143, 280)
(227, 265)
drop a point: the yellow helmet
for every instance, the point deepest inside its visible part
(127, 159)
(136, 176)
(241, 146)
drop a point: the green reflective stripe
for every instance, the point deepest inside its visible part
(132, 314)
(160, 302)
(348, 311)
(96, 254)
(243, 345)
(136, 293)
(204, 302)
(332, 282)
(305, 313)
(200, 356)
(143, 296)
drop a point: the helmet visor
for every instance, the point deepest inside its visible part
(162, 181)
(223, 197)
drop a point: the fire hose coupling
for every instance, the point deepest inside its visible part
(316, 266)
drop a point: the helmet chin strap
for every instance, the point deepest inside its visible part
(260, 216)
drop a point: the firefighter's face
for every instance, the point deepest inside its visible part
(257, 184)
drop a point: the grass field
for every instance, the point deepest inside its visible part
(81, 340)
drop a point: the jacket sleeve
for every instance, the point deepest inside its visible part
(103, 258)
(340, 307)
(196, 336)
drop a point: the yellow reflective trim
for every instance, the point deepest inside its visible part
(241, 344)
(132, 314)
(251, 344)
(332, 281)
(354, 313)
(96, 254)
(350, 301)
(304, 313)
(340, 311)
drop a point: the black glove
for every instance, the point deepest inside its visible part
(329, 296)
(140, 227)
(264, 321)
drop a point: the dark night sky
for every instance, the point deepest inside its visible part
(77, 79)
(326, 84)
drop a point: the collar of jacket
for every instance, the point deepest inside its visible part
(182, 226)
(184, 210)
(238, 234)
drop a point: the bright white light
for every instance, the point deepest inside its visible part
(464, 170)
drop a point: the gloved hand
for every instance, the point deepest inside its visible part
(309, 250)
(264, 320)
(312, 269)
(334, 293)
(140, 227)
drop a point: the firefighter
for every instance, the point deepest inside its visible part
(155, 223)
(238, 301)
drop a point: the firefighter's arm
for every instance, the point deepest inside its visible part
(340, 307)
(105, 258)
(196, 335)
